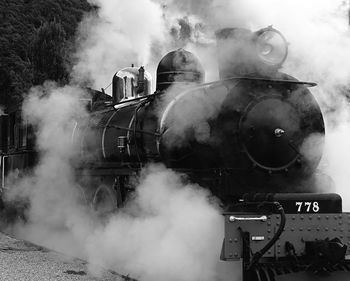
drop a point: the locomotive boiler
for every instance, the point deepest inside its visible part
(248, 132)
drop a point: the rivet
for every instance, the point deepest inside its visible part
(326, 228)
(300, 229)
(292, 229)
(236, 255)
(293, 217)
(309, 229)
(327, 217)
(236, 240)
(302, 217)
(310, 217)
(335, 217)
(318, 217)
(231, 255)
(318, 229)
(230, 240)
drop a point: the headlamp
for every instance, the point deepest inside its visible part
(271, 46)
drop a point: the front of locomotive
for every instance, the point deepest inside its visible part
(262, 132)
(253, 128)
(277, 232)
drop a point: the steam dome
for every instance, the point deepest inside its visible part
(179, 66)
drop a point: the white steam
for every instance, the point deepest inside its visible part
(54, 196)
(121, 34)
(2, 111)
(189, 113)
(168, 230)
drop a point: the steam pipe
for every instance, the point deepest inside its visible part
(278, 233)
(3, 173)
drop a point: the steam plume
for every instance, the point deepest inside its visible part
(120, 34)
(156, 236)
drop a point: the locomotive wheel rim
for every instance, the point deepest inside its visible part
(243, 118)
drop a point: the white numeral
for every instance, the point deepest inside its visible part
(307, 206)
(299, 205)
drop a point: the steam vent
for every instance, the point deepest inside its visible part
(179, 67)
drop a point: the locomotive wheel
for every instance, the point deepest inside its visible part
(105, 200)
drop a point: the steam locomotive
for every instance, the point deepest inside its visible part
(254, 138)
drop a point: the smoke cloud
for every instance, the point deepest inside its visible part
(120, 34)
(56, 208)
(189, 113)
(169, 231)
(169, 228)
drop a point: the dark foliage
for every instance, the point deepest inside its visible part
(48, 53)
(34, 39)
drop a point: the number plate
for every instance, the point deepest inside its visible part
(309, 207)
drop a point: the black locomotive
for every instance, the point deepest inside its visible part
(245, 137)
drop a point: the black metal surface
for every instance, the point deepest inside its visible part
(301, 203)
(291, 271)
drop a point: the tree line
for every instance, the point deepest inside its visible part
(36, 37)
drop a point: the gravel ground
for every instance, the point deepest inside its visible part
(21, 260)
